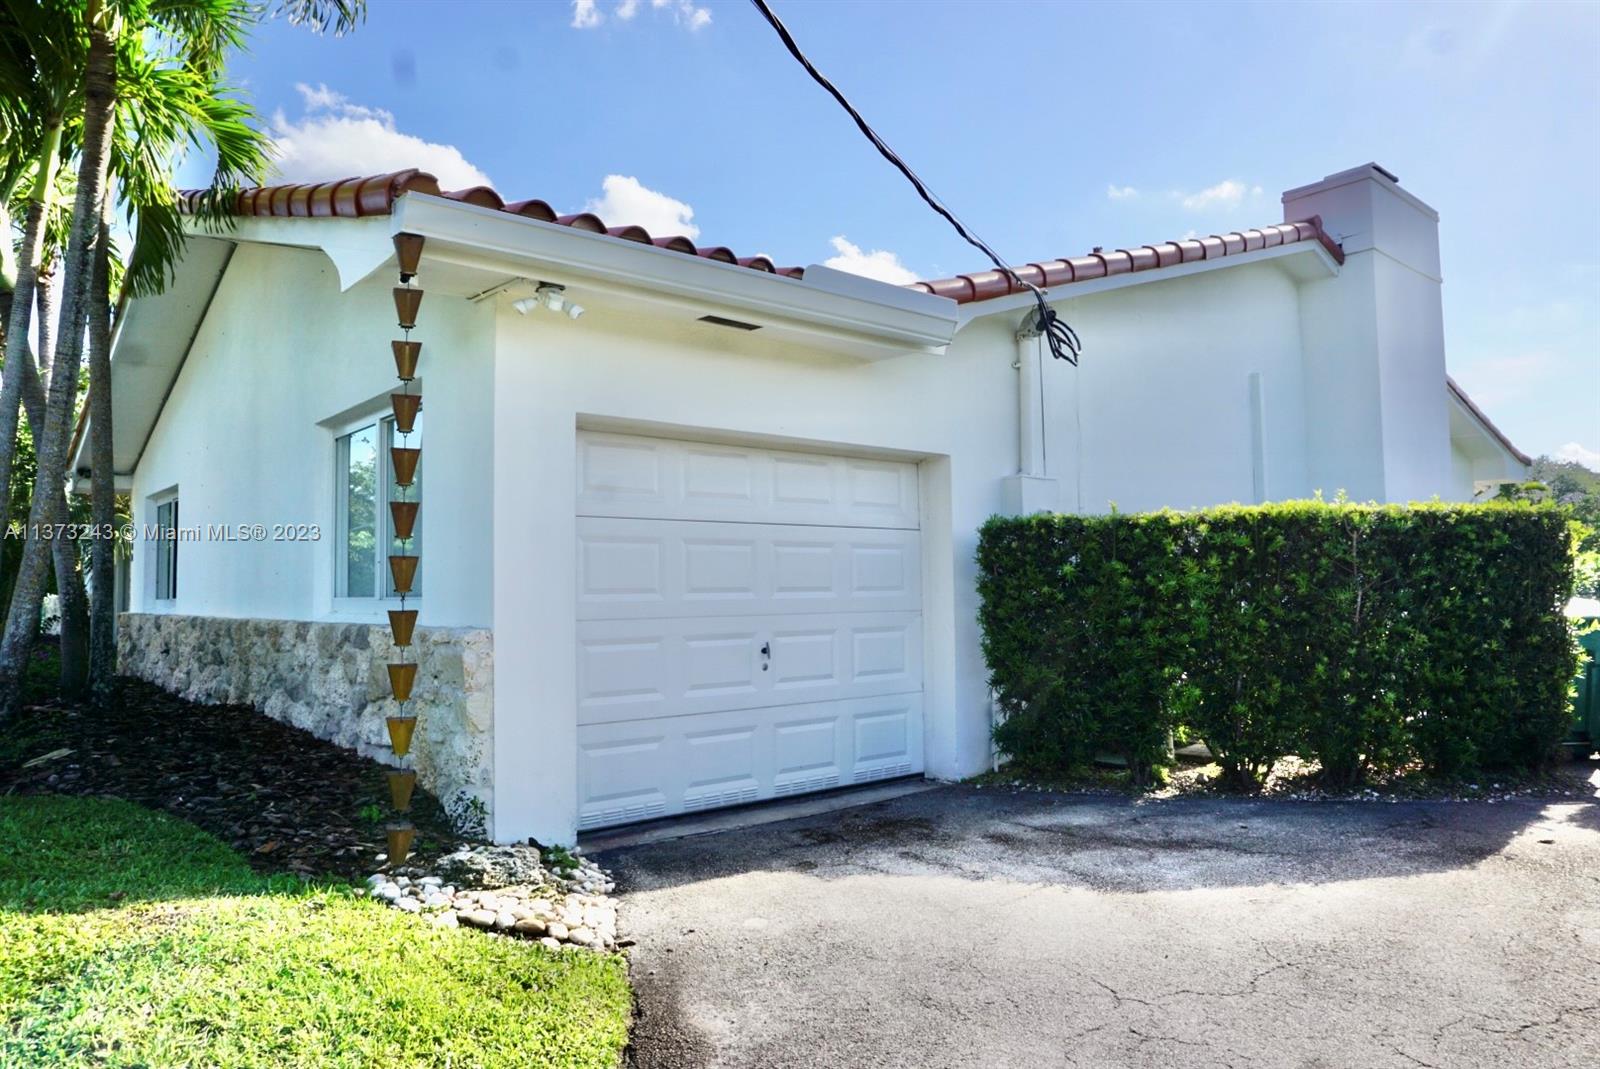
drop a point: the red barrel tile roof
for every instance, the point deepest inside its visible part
(986, 285)
(376, 195)
(354, 198)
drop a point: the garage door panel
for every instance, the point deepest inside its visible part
(618, 780)
(884, 742)
(660, 478)
(805, 658)
(633, 568)
(810, 752)
(636, 771)
(721, 666)
(621, 569)
(889, 653)
(635, 669)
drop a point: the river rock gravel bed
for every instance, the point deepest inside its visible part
(566, 907)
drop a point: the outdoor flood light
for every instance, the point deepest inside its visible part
(549, 295)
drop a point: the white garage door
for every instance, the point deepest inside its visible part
(749, 625)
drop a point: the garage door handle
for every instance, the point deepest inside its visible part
(766, 655)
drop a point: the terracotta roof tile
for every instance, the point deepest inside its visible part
(376, 195)
(353, 198)
(984, 285)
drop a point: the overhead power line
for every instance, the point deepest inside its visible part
(1064, 344)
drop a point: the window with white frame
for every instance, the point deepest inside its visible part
(166, 549)
(364, 487)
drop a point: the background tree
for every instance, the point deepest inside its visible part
(120, 88)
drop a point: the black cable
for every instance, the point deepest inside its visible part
(1064, 344)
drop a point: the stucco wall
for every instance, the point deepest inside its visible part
(329, 679)
(247, 436)
(1158, 412)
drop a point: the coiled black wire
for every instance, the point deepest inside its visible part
(1062, 339)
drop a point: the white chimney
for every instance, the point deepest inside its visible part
(1377, 420)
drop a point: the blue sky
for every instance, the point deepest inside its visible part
(1050, 128)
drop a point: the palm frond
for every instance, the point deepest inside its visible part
(321, 16)
(162, 111)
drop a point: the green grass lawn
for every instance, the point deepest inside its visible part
(129, 938)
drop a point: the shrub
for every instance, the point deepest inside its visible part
(1077, 636)
(1247, 606)
(1368, 637)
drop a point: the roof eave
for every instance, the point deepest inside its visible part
(826, 308)
(1483, 420)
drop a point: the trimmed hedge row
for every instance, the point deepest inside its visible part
(1367, 637)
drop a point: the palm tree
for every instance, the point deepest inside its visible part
(133, 80)
(94, 157)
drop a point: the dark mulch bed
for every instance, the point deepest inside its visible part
(286, 799)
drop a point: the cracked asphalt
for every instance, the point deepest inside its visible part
(966, 927)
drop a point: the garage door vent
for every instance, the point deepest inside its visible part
(801, 786)
(622, 814)
(713, 799)
(883, 772)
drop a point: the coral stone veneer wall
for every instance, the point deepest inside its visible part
(329, 679)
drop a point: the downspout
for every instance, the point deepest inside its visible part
(1032, 458)
(1030, 399)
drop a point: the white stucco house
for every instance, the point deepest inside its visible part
(712, 541)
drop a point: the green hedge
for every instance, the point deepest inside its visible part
(1366, 637)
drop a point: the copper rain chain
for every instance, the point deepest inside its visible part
(403, 565)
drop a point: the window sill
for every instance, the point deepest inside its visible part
(365, 610)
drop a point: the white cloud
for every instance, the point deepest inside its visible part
(1589, 458)
(1225, 194)
(337, 139)
(586, 14)
(880, 264)
(624, 201)
(684, 12)
(1116, 192)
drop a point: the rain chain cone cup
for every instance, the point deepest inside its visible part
(406, 355)
(404, 463)
(402, 624)
(406, 407)
(403, 515)
(400, 837)
(402, 677)
(407, 301)
(404, 570)
(402, 781)
(408, 253)
(401, 728)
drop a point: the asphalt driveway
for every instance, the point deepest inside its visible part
(964, 927)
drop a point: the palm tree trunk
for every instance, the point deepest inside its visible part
(100, 96)
(22, 300)
(102, 490)
(74, 640)
(74, 643)
(44, 299)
